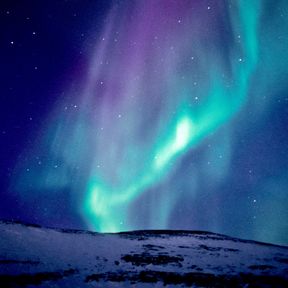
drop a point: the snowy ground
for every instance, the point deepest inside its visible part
(32, 256)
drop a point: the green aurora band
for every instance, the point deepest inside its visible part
(105, 205)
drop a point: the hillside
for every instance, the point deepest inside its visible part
(32, 256)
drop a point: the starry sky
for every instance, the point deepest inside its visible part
(156, 114)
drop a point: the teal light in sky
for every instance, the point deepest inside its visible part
(192, 115)
(166, 79)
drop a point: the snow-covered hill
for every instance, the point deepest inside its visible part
(32, 256)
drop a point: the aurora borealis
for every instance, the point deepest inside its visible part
(176, 121)
(186, 114)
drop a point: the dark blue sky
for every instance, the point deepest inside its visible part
(41, 45)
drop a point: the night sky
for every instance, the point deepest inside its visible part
(149, 114)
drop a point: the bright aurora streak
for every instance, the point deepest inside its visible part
(160, 83)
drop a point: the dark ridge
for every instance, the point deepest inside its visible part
(281, 260)
(76, 231)
(168, 232)
(20, 223)
(22, 280)
(215, 236)
(189, 279)
(144, 234)
(261, 267)
(147, 259)
(10, 261)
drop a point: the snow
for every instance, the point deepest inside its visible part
(33, 256)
